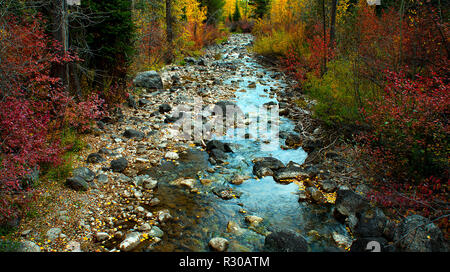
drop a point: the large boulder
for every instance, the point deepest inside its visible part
(266, 166)
(285, 241)
(77, 183)
(371, 223)
(418, 234)
(148, 80)
(215, 144)
(84, 173)
(349, 203)
(289, 173)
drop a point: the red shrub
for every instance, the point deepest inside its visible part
(33, 107)
(409, 140)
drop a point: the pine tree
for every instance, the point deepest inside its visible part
(237, 13)
(260, 7)
(215, 10)
(110, 41)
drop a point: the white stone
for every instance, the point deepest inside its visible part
(218, 244)
(171, 155)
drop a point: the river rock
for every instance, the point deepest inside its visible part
(328, 185)
(188, 183)
(348, 203)
(164, 216)
(293, 140)
(131, 241)
(218, 155)
(53, 233)
(253, 220)
(73, 246)
(85, 173)
(148, 80)
(131, 133)
(314, 194)
(101, 236)
(233, 227)
(226, 108)
(418, 234)
(77, 184)
(341, 240)
(94, 158)
(285, 241)
(119, 165)
(171, 155)
(218, 244)
(156, 232)
(265, 166)
(371, 223)
(289, 173)
(238, 179)
(164, 108)
(28, 246)
(215, 144)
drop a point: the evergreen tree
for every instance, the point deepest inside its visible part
(261, 7)
(215, 10)
(110, 40)
(237, 13)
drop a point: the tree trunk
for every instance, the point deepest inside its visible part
(61, 34)
(324, 65)
(169, 32)
(333, 23)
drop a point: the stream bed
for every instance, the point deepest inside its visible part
(200, 214)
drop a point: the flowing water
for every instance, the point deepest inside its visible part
(202, 215)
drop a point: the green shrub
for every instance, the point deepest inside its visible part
(339, 97)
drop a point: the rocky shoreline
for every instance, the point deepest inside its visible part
(111, 202)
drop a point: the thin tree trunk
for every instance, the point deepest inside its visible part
(60, 33)
(324, 65)
(169, 31)
(333, 23)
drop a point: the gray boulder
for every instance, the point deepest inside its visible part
(119, 165)
(288, 173)
(349, 203)
(371, 223)
(77, 183)
(265, 166)
(418, 234)
(94, 158)
(85, 173)
(149, 80)
(285, 241)
(131, 133)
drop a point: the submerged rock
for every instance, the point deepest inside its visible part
(285, 241)
(218, 244)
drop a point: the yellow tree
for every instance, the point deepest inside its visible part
(194, 16)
